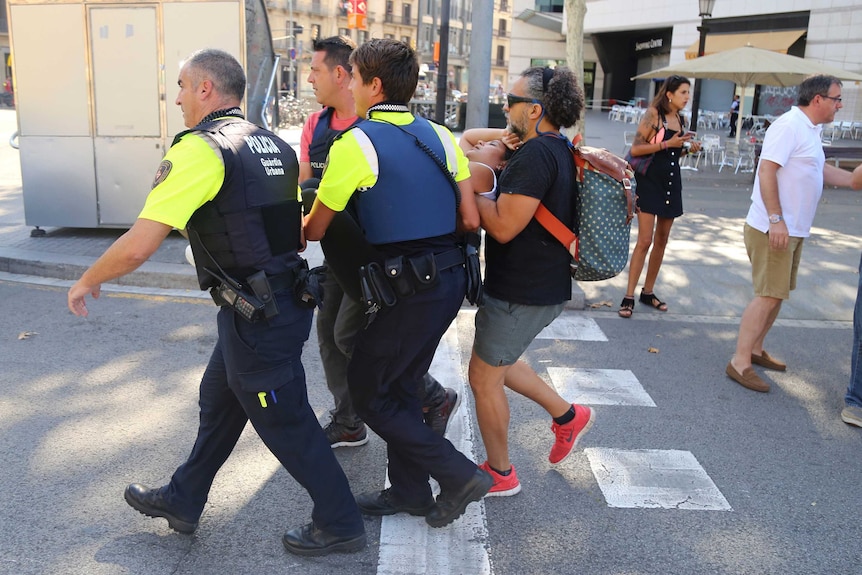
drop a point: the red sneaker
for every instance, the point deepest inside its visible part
(504, 485)
(569, 434)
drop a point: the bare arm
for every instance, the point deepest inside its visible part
(304, 171)
(125, 255)
(643, 146)
(472, 136)
(856, 178)
(315, 223)
(468, 213)
(645, 133)
(508, 216)
(779, 238)
(835, 176)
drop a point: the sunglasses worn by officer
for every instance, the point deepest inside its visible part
(511, 100)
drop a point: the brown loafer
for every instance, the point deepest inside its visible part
(747, 378)
(768, 361)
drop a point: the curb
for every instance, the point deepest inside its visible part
(68, 267)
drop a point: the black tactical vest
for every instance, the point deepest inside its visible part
(321, 141)
(254, 221)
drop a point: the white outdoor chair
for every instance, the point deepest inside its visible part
(759, 127)
(616, 113)
(846, 129)
(739, 157)
(746, 158)
(711, 147)
(857, 130)
(729, 155)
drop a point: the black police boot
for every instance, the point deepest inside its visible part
(451, 504)
(310, 541)
(150, 502)
(379, 503)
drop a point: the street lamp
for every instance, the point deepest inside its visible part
(706, 7)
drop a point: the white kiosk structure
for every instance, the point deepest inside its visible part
(96, 83)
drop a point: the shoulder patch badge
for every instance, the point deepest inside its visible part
(162, 172)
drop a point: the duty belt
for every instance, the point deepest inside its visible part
(401, 277)
(282, 281)
(449, 259)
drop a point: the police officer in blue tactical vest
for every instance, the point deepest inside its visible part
(408, 183)
(337, 322)
(233, 186)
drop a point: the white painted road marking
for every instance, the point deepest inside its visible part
(408, 546)
(599, 386)
(573, 327)
(653, 478)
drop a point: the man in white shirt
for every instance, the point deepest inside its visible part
(788, 185)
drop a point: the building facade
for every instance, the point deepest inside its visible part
(296, 24)
(623, 39)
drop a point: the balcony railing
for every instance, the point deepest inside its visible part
(500, 63)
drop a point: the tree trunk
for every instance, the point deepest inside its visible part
(575, 12)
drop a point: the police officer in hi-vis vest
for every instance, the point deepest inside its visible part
(233, 186)
(336, 328)
(397, 172)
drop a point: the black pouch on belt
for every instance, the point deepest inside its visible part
(475, 291)
(424, 269)
(261, 288)
(385, 294)
(399, 276)
(376, 291)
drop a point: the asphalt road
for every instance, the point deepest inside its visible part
(89, 405)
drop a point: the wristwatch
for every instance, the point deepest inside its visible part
(775, 218)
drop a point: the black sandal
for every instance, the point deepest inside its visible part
(652, 300)
(627, 308)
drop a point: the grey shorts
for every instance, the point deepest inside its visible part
(505, 330)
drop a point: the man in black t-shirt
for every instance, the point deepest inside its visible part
(527, 277)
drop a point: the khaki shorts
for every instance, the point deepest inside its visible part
(773, 272)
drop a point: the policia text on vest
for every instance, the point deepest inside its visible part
(244, 241)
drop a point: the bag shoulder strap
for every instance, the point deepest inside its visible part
(558, 229)
(552, 223)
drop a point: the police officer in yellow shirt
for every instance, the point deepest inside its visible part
(399, 173)
(233, 186)
(330, 77)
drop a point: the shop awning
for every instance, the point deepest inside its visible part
(778, 41)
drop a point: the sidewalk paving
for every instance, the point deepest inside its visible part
(694, 280)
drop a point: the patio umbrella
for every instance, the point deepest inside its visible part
(749, 66)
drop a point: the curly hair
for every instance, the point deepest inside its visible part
(559, 91)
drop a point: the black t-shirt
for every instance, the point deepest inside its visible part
(533, 268)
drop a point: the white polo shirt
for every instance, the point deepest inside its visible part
(793, 143)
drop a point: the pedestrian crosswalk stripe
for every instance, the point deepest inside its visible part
(573, 327)
(408, 546)
(654, 479)
(599, 386)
